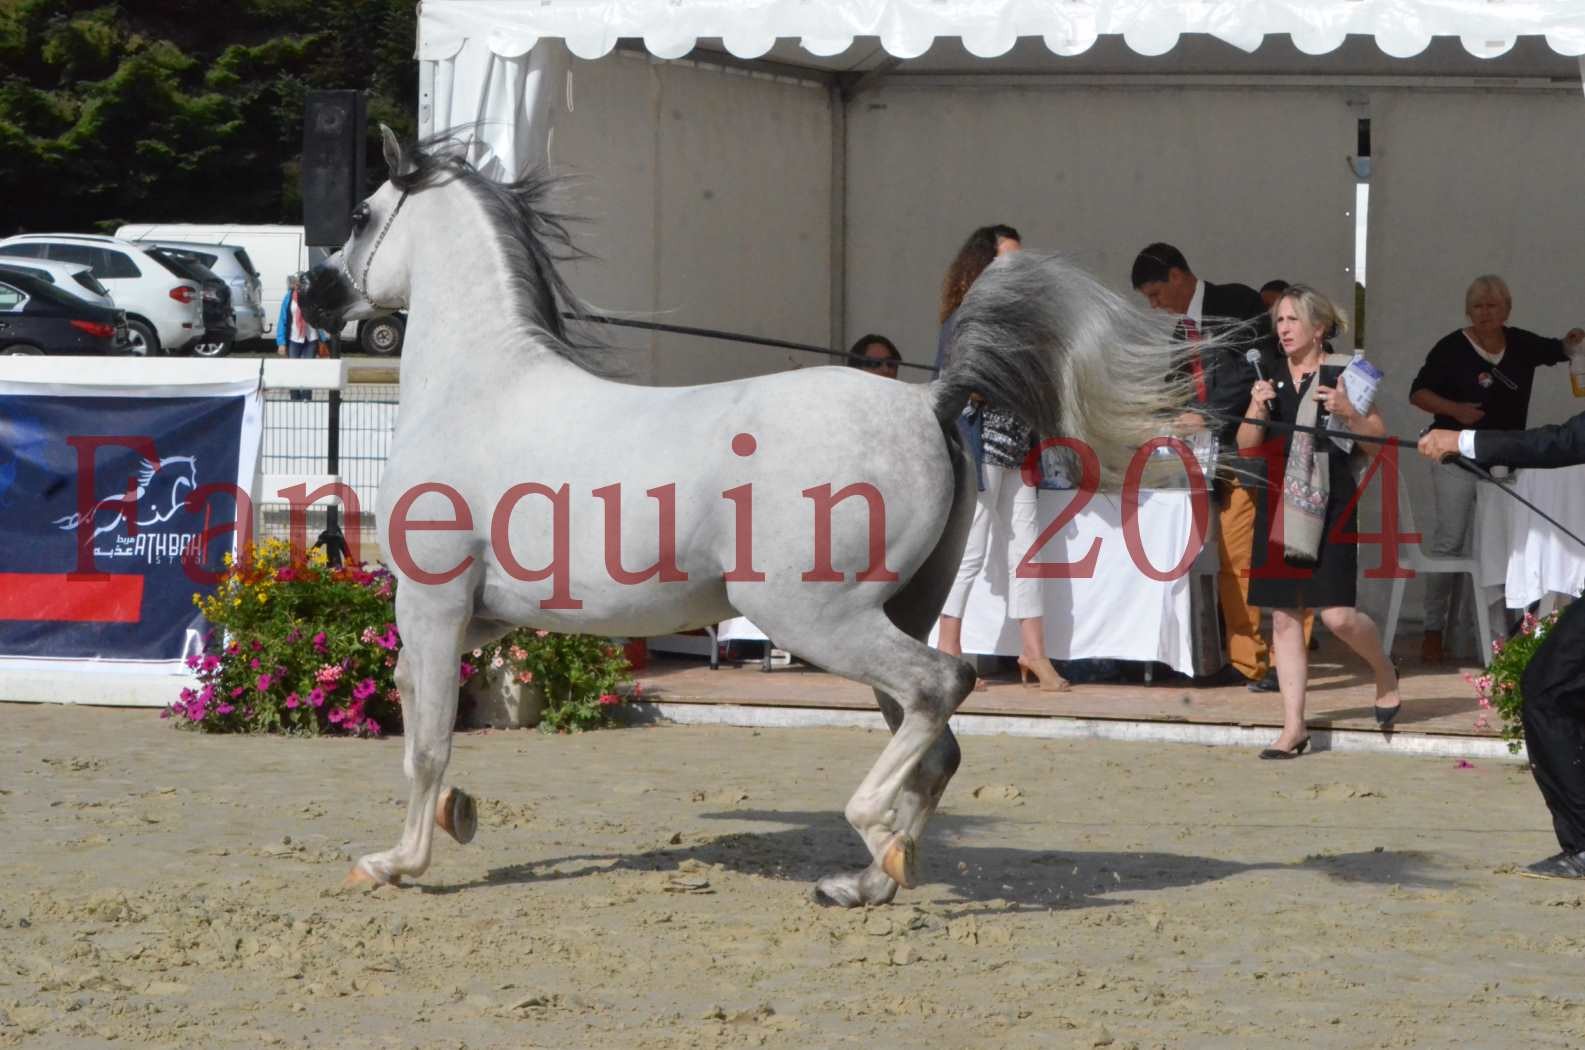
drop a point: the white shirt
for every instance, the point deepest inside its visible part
(1466, 443)
(1196, 308)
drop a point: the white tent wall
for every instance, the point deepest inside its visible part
(1249, 185)
(707, 195)
(1465, 183)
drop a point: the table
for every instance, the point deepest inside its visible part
(1118, 612)
(1518, 551)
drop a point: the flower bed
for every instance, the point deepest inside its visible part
(297, 646)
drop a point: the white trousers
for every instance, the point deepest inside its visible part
(1005, 514)
(1449, 537)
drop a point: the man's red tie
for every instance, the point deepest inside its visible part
(1191, 331)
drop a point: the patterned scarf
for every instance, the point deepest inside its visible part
(1306, 485)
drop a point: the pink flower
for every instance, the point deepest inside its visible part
(292, 701)
(497, 662)
(368, 635)
(254, 663)
(525, 677)
(256, 645)
(264, 683)
(211, 661)
(238, 691)
(285, 574)
(329, 674)
(192, 661)
(316, 696)
(467, 671)
(224, 709)
(518, 653)
(541, 633)
(319, 642)
(609, 699)
(364, 689)
(371, 727)
(390, 639)
(336, 715)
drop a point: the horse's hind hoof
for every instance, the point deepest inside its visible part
(457, 814)
(899, 860)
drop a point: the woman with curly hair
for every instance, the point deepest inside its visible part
(999, 444)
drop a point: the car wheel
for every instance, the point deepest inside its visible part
(383, 336)
(216, 348)
(21, 350)
(141, 340)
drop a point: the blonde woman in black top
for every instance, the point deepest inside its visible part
(1475, 378)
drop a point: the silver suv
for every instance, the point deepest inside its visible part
(231, 264)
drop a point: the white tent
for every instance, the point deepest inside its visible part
(804, 169)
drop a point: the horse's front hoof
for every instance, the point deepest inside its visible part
(457, 814)
(360, 878)
(900, 860)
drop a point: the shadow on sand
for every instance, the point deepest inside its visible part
(810, 845)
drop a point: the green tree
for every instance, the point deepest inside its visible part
(162, 110)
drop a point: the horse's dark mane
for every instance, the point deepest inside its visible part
(534, 241)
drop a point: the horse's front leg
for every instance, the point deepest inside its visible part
(426, 674)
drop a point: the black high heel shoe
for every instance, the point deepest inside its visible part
(1294, 752)
(1385, 715)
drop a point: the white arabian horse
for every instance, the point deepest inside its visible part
(828, 506)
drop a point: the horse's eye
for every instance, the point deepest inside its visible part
(360, 216)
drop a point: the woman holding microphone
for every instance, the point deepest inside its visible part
(1296, 564)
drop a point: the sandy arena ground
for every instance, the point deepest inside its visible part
(646, 888)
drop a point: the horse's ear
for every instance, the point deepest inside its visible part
(394, 161)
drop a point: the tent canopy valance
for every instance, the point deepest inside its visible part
(906, 29)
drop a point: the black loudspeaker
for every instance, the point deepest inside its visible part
(333, 133)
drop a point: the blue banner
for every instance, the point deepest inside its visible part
(114, 512)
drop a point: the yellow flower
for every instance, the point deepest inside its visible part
(263, 597)
(236, 601)
(227, 558)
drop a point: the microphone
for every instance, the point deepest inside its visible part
(1253, 357)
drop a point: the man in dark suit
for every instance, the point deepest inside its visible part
(1554, 681)
(1236, 317)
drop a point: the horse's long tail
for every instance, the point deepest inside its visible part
(1044, 340)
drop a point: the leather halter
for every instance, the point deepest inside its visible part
(362, 287)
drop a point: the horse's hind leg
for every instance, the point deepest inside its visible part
(426, 674)
(897, 796)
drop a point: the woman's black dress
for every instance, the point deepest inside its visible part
(1331, 581)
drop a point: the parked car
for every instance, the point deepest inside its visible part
(36, 317)
(75, 278)
(232, 264)
(275, 251)
(220, 323)
(164, 309)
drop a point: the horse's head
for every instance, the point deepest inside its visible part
(369, 275)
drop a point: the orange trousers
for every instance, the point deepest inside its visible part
(1246, 648)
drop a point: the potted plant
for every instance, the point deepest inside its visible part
(560, 682)
(1499, 688)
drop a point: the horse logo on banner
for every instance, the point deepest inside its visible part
(161, 488)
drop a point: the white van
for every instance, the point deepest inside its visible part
(275, 251)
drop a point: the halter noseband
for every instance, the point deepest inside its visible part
(362, 286)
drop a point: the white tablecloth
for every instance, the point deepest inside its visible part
(1523, 554)
(1118, 613)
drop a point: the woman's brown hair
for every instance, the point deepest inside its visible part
(978, 252)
